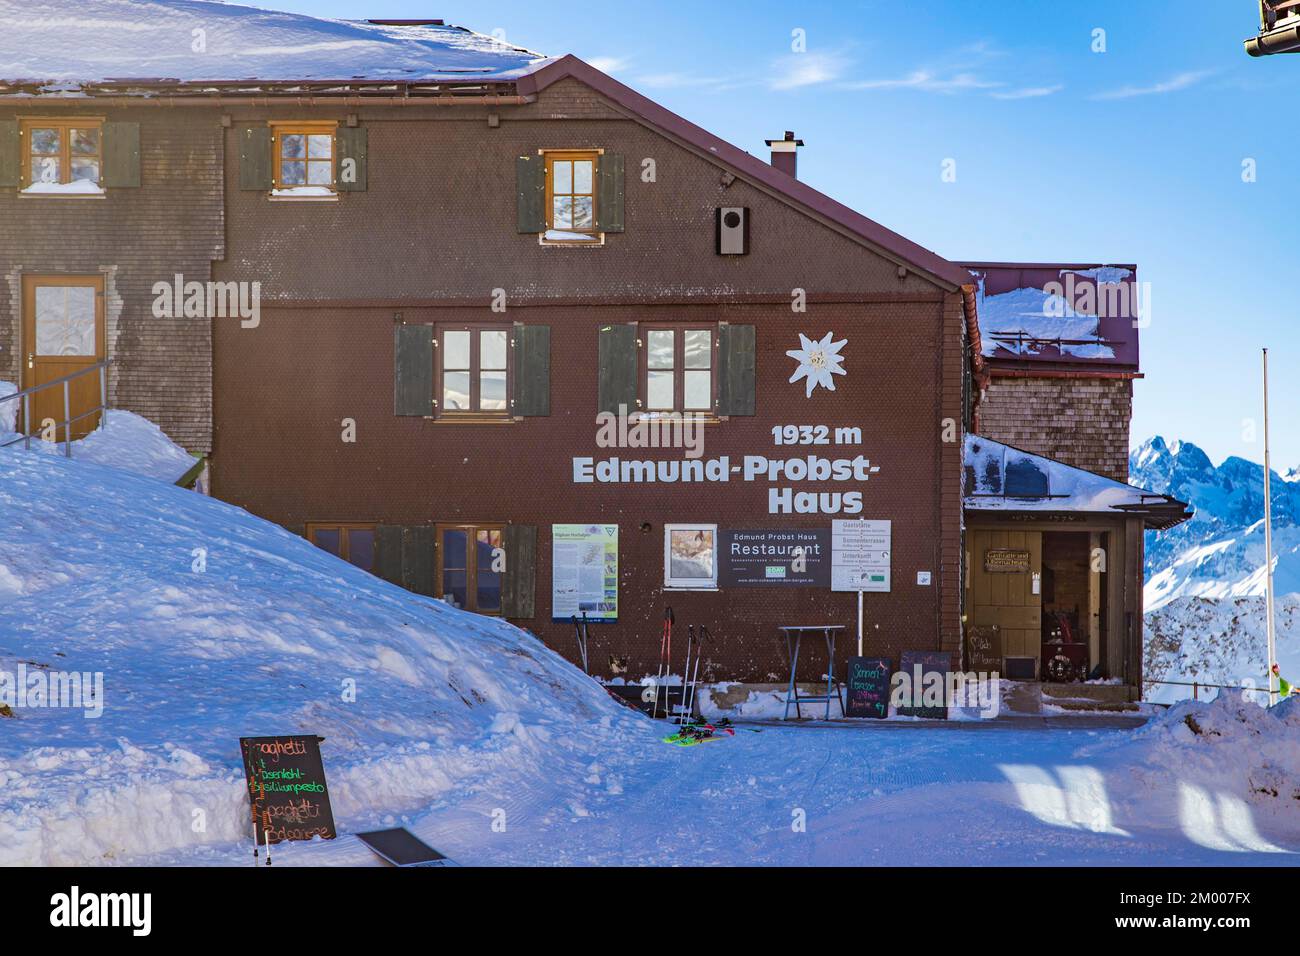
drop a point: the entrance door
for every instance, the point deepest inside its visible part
(1006, 587)
(63, 332)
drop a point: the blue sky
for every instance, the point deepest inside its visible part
(1062, 154)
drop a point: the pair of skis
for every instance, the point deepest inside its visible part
(690, 669)
(700, 732)
(665, 664)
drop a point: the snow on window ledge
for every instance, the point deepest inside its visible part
(562, 237)
(78, 187)
(311, 193)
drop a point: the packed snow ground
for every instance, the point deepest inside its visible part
(494, 749)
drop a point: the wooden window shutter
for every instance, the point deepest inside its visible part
(388, 553)
(736, 369)
(351, 155)
(609, 193)
(413, 370)
(122, 155)
(255, 158)
(530, 183)
(617, 372)
(532, 370)
(11, 155)
(518, 589)
(417, 559)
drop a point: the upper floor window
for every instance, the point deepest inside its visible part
(63, 155)
(571, 196)
(474, 371)
(303, 158)
(678, 369)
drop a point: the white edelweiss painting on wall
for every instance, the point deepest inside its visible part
(818, 361)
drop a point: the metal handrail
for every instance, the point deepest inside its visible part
(68, 418)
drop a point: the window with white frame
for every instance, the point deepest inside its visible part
(690, 556)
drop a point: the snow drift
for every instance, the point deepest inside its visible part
(208, 624)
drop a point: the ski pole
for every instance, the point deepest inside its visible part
(695, 678)
(585, 668)
(683, 711)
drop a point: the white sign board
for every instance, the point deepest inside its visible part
(860, 555)
(584, 571)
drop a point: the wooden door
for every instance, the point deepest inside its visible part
(1005, 567)
(63, 332)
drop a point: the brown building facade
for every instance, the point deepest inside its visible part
(440, 308)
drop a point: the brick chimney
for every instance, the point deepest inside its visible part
(785, 155)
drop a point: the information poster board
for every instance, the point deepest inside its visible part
(584, 571)
(790, 557)
(286, 788)
(868, 687)
(860, 555)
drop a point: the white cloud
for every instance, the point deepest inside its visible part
(608, 64)
(1172, 85)
(1029, 92)
(929, 82)
(797, 70)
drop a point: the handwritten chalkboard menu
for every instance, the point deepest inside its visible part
(286, 788)
(984, 649)
(868, 687)
(917, 666)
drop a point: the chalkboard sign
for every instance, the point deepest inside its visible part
(984, 649)
(286, 788)
(917, 666)
(868, 687)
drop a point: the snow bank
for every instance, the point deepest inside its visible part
(71, 41)
(208, 624)
(128, 441)
(1232, 747)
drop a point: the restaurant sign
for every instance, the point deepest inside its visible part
(793, 557)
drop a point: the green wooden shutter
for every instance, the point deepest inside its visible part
(353, 154)
(122, 155)
(255, 158)
(532, 370)
(736, 369)
(530, 184)
(388, 553)
(417, 559)
(617, 372)
(413, 370)
(609, 195)
(11, 155)
(518, 588)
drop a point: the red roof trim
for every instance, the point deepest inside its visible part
(923, 260)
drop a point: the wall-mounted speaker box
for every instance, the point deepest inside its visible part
(733, 231)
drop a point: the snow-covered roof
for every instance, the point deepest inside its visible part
(61, 42)
(998, 477)
(1075, 314)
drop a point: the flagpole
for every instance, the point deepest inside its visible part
(1268, 547)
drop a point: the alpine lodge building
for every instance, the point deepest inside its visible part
(514, 336)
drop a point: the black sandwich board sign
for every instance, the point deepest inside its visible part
(400, 847)
(286, 788)
(868, 687)
(918, 666)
